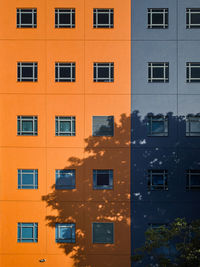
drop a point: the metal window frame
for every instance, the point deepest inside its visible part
(71, 119)
(189, 121)
(21, 11)
(105, 65)
(71, 66)
(35, 178)
(189, 13)
(189, 174)
(57, 174)
(163, 119)
(65, 225)
(66, 11)
(21, 119)
(113, 236)
(152, 11)
(110, 13)
(152, 173)
(189, 66)
(20, 66)
(165, 67)
(103, 187)
(35, 232)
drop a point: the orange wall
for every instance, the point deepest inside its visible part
(47, 152)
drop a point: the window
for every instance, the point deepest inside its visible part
(27, 125)
(193, 180)
(157, 18)
(192, 72)
(27, 232)
(27, 179)
(102, 179)
(27, 72)
(193, 125)
(65, 126)
(65, 232)
(103, 18)
(103, 126)
(65, 18)
(103, 233)
(65, 72)
(157, 180)
(192, 18)
(157, 125)
(158, 72)
(26, 18)
(103, 72)
(65, 179)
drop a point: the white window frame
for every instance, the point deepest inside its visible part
(33, 11)
(71, 66)
(21, 65)
(162, 65)
(107, 65)
(189, 66)
(65, 11)
(189, 13)
(71, 119)
(34, 120)
(22, 225)
(35, 181)
(152, 11)
(110, 12)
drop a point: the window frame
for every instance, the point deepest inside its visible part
(72, 70)
(158, 118)
(190, 173)
(65, 225)
(189, 66)
(165, 15)
(107, 11)
(63, 187)
(59, 119)
(21, 119)
(100, 135)
(102, 242)
(189, 120)
(108, 66)
(189, 12)
(151, 186)
(21, 185)
(20, 226)
(19, 13)
(102, 187)
(66, 11)
(162, 65)
(21, 65)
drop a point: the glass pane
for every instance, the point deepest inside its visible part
(27, 126)
(26, 18)
(103, 18)
(27, 72)
(27, 232)
(157, 180)
(65, 72)
(65, 126)
(195, 180)
(158, 127)
(195, 126)
(27, 179)
(157, 19)
(195, 19)
(102, 179)
(195, 72)
(103, 72)
(65, 233)
(158, 72)
(65, 18)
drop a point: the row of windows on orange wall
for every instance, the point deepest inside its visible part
(65, 18)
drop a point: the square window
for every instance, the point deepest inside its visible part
(27, 125)
(192, 18)
(65, 179)
(65, 126)
(27, 179)
(26, 18)
(27, 232)
(103, 233)
(104, 72)
(193, 180)
(102, 179)
(64, 18)
(65, 232)
(193, 125)
(158, 72)
(65, 72)
(157, 180)
(192, 72)
(27, 72)
(103, 126)
(157, 18)
(103, 18)
(157, 126)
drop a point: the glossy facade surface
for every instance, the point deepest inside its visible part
(46, 152)
(176, 98)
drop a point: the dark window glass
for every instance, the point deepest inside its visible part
(102, 179)
(192, 18)
(103, 233)
(103, 18)
(158, 72)
(103, 125)
(65, 179)
(65, 232)
(103, 72)
(192, 72)
(157, 125)
(157, 18)
(26, 18)
(157, 180)
(64, 18)
(193, 180)
(65, 72)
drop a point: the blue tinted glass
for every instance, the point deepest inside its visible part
(27, 126)
(27, 232)
(157, 180)
(27, 179)
(158, 127)
(65, 126)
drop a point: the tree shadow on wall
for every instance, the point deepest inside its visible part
(85, 205)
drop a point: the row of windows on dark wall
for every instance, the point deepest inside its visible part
(104, 18)
(104, 125)
(65, 72)
(102, 233)
(103, 179)
(65, 18)
(158, 72)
